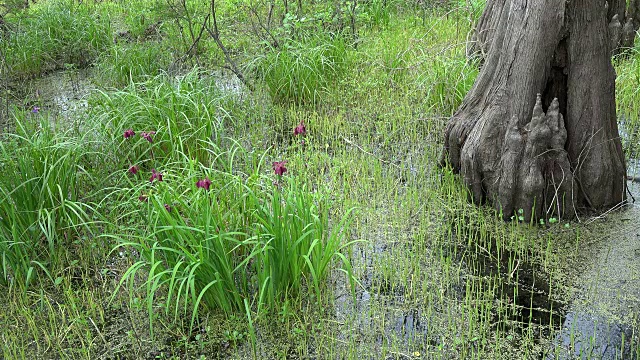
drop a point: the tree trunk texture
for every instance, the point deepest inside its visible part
(537, 133)
(624, 22)
(481, 38)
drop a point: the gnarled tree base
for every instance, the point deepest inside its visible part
(538, 130)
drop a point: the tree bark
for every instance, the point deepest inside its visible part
(537, 133)
(485, 29)
(624, 22)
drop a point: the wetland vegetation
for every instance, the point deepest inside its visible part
(241, 179)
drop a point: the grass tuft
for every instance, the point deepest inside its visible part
(50, 36)
(41, 211)
(242, 238)
(301, 71)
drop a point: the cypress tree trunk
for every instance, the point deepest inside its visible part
(538, 131)
(624, 22)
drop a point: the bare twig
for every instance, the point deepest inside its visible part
(4, 76)
(368, 153)
(189, 19)
(197, 39)
(265, 28)
(354, 33)
(215, 34)
(270, 16)
(286, 9)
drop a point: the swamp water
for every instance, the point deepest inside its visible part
(601, 321)
(595, 316)
(514, 290)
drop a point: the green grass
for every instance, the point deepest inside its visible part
(262, 266)
(243, 239)
(41, 208)
(628, 98)
(302, 71)
(122, 65)
(53, 34)
(184, 113)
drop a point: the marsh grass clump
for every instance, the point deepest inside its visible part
(446, 82)
(132, 63)
(45, 38)
(627, 67)
(377, 12)
(231, 241)
(183, 113)
(41, 208)
(301, 70)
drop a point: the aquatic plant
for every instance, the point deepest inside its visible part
(279, 167)
(204, 183)
(41, 211)
(234, 242)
